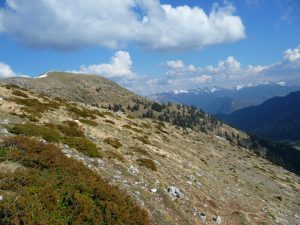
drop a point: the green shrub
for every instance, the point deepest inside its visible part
(71, 128)
(50, 133)
(147, 163)
(34, 107)
(143, 139)
(83, 112)
(83, 145)
(114, 155)
(4, 151)
(139, 150)
(19, 93)
(110, 121)
(146, 125)
(63, 191)
(127, 126)
(47, 133)
(12, 86)
(114, 142)
(89, 122)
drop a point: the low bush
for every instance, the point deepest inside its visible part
(71, 128)
(82, 112)
(127, 126)
(110, 121)
(114, 142)
(147, 163)
(114, 155)
(89, 122)
(12, 86)
(34, 107)
(46, 132)
(62, 191)
(143, 139)
(19, 93)
(139, 150)
(83, 145)
(50, 132)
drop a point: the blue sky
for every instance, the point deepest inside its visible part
(147, 46)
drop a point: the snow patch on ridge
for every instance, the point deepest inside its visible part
(42, 76)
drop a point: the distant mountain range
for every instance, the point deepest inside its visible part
(277, 118)
(217, 100)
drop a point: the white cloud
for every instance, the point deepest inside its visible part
(201, 79)
(66, 24)
(227, 72)
(292, 54)
(119, 67)
(175, 64)
(229, 66)
(6, 71)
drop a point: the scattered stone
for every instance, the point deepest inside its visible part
(92, 137)
(100, 162)
(153, 190)
(117, 176)
(175, 192)
(217, 220)
(5, 122)
(43, 141)
(133, 170)
(1, 197)
(202, 217)
(189, 182)
(157, 181)
(157, 162)
(4, 131)
(136, 192)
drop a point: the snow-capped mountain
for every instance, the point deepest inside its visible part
(218, 100)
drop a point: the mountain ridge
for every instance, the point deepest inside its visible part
(218, 100)
(276, 118)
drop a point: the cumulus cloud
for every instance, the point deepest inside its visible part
(6, 71)
(66, 24)
(292, 54)
(201, 79)
(119, 67)
(175, 64)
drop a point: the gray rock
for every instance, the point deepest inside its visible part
(202, 217)
(4, 131)
(133, 170)
(175, 192)
(117, 176)
(136, 192)
(5, 122)
(100, 162)
(217, 220)
(153, 190)
(1, 197)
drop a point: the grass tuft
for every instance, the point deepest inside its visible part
(114, 142)
(148, 163)
(19, 93)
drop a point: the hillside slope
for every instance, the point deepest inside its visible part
(277, 118)
(83, 88)
(179, 176)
